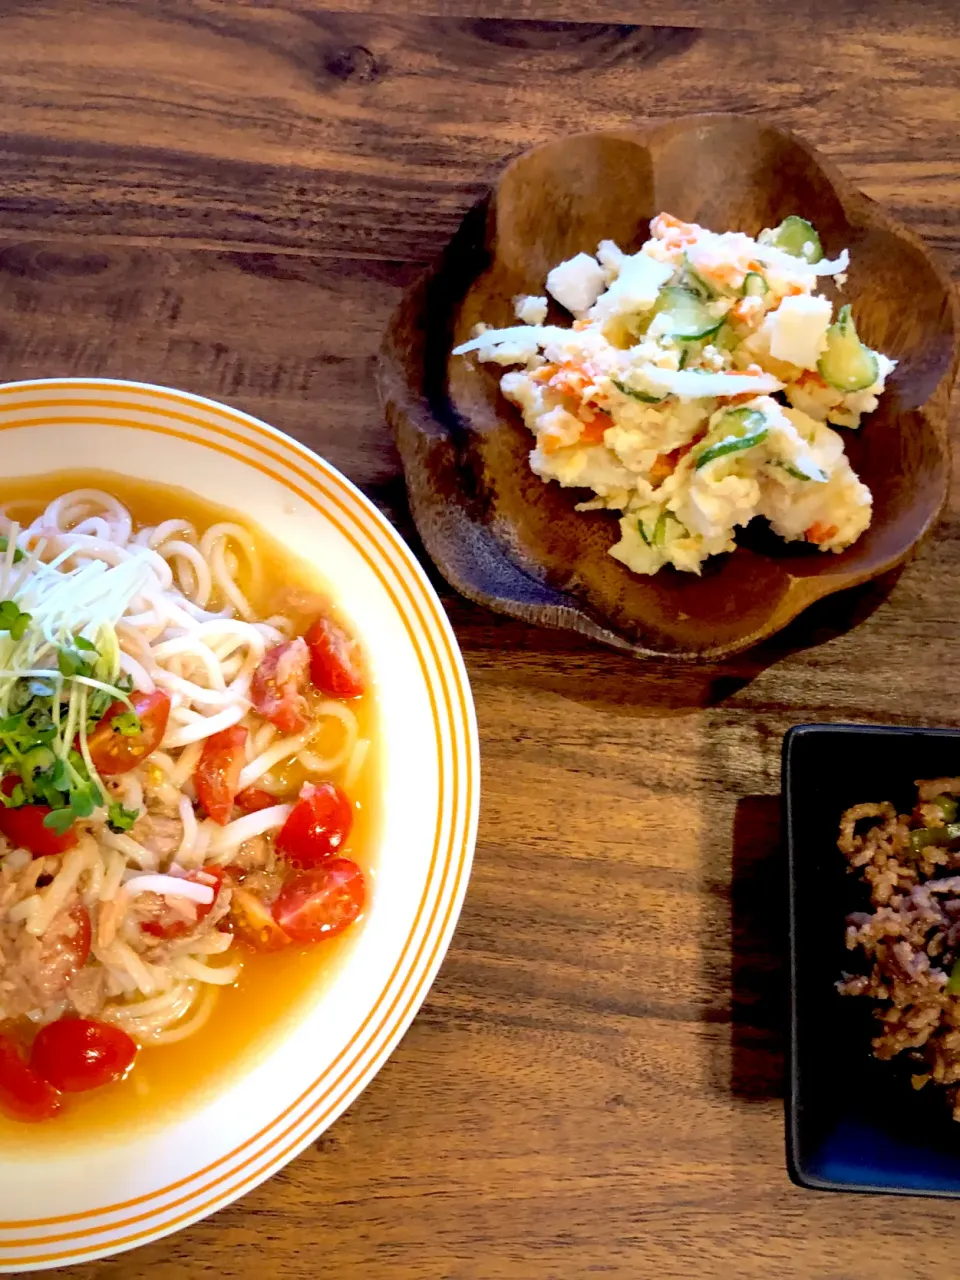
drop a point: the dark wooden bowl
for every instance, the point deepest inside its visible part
(503, 538)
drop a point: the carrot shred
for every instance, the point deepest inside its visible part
(593, 431)
(819, 533)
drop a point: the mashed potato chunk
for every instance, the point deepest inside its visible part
(695, 390)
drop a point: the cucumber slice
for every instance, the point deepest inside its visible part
(727, 339)
(738, 430)
(754, 285)
(660, 528)
(689, 317)
(643, 396)
(797, 474)
(847, 364)
(795, 236)
(696, 282)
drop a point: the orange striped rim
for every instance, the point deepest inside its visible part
(381, 533)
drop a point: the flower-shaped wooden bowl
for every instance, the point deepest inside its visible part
(503, 538)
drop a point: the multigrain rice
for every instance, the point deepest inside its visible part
(910, 939)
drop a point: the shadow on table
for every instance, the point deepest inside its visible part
(574, 667)
(750, 1064)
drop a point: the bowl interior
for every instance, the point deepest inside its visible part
(564, 197)
(854, 1123)
(262, 1113)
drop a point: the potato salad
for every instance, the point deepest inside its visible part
(697, 387)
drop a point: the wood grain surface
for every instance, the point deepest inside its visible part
(228, 196)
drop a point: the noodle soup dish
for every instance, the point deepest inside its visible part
(186, 750)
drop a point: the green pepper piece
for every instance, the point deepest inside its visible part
(948, 807)
(953, 983)
(936, 836)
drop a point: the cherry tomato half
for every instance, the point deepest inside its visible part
(276, 689)
(171, 925)
(24, 827)
(334, 660)
(320, 903)
(253, 922)
(318, 825)
(76, 1054)
(218, 772)
(24, 1094)
(253, 799)
(113, 752)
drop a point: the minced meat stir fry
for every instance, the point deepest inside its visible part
(911, 937)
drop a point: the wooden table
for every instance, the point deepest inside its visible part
(228, 196)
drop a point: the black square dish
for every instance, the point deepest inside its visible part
(853, 1123)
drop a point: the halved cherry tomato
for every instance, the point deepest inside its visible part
(320, 903)
(24, 827)
(113, 752)
(253, 922)
(318, 825)
(24, 1094)
(76, 1054)
(253, 799)
(176, 927)
(334, 660)
(276, 689)
(218, 772)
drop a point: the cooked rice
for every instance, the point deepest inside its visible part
(911, 937)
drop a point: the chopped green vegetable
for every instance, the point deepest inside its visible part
(70, 663)
(727, 339)
(934, 836)
(643, 532)
(797, 474)
(730, 446)
(12, 620)
(754, 285)
(948, 807)
(126, 723)
(57, 682)
(660, 528)
(847, 364)
(643, 396)
(736, 431)
(4, 546)
(83, 800)
(16, 797)
(695, 281)
(120, 819)
(953, 983)
(689, 316)
(795, 236)
(59, 820)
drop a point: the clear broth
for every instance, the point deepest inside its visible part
(246, 1018)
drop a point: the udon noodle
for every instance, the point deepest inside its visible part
(198, 842)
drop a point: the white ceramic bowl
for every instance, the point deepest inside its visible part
(93, 1200)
